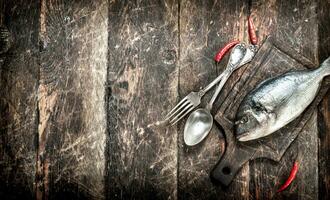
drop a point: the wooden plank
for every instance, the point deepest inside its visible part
(73, 46)
(324, 148)
(142, 160)
(324, 109)
(267, 63)
(295, 23)
(205, 26)
(264, 172)
(141, 87)
(18, 101)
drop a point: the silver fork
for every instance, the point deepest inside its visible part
(193, 99)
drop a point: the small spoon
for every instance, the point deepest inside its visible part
(200, 121)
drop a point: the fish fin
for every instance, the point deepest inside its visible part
(325, 67)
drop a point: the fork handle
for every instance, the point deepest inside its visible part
(211, 85)
(226, 75)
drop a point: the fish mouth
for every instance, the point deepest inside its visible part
(241, 136)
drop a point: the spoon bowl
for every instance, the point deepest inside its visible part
(199, 122)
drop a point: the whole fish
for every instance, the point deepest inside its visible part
(277, 101)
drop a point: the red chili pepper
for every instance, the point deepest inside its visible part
(221, 53)
(252, 32)
(292, 176)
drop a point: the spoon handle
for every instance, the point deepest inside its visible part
(213, 83)
(217, 80)
(235, 59)
(226, 75)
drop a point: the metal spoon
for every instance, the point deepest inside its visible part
(200, 121)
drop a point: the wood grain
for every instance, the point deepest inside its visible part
(18, 100)
(85, 84)
(295, 23)
(269, 61)
(324, 148)
(324, 108)
(142, 84)
(263, 172)
(205, 27)
(72, 123)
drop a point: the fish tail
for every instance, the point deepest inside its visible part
(325, 67)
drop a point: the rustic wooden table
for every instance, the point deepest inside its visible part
(85, 82)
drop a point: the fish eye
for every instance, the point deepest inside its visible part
(245, 119)
(258, 108)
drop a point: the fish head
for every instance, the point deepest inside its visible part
(253, 121)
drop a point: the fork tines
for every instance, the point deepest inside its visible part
(179, 111)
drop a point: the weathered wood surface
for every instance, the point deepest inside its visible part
(18, 100)
(73, 63)
(297, 27)
(205, 26)
(85, 83)
(324, 108)
(272, 59)
(141, 86)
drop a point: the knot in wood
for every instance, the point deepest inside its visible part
(169, 56)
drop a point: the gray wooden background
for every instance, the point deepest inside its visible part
(85, 82)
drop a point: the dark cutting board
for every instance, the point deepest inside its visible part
(272, 59)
